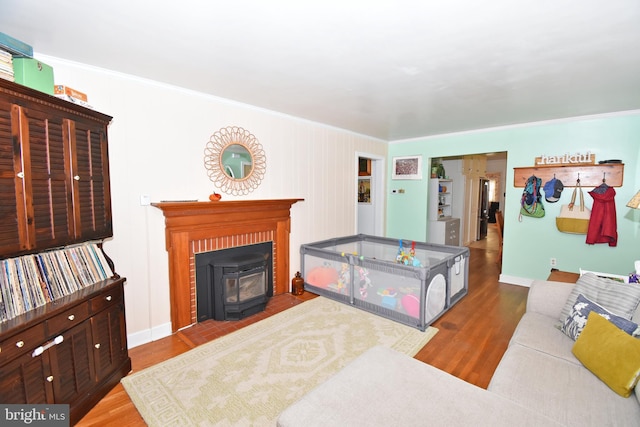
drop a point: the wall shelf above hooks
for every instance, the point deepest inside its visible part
(590, 175)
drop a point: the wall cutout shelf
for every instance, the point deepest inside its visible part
(590, 175)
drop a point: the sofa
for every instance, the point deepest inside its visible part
(538, 382)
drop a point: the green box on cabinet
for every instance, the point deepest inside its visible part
(34, 74)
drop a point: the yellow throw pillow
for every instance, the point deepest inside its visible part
(610, 353)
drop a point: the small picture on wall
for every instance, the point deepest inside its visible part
(364, 190)
(408, 167)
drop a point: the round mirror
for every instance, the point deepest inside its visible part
(234, 160)
(237, 161)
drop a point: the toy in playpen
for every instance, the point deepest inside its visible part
(343, 282)
(388, 297)
(365, 282)
(408, 258)
(343, 278)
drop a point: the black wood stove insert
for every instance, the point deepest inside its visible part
(234, 283)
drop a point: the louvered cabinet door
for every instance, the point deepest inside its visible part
(90, 171)
(72, 366)
(13, 234)
(47, 174)
(35, 176)
(109, 337)
(25, 380)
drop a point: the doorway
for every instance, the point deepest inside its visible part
(479, 180)
(370, 194)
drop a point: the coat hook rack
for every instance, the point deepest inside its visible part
(589, 175)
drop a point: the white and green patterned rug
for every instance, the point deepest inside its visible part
(248, 377)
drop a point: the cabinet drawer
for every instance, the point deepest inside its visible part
(24, 341)
(106, 299)
(66, 320)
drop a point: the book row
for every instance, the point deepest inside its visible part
(6, 65)
(30, 281)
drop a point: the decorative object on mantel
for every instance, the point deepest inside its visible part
(235, 160)
(215, 197)
(567, 167)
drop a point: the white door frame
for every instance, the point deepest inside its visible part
(378, 184)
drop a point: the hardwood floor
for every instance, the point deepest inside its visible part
(472, 338)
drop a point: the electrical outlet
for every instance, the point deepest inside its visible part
(553, 262)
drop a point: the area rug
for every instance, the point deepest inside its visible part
(247, 378)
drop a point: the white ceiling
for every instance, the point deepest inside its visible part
(392, 69)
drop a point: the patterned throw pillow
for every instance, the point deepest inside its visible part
(619, 298)
(577, 319)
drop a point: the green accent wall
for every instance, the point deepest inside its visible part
(528, 245)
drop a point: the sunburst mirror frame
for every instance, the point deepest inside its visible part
(214, 150)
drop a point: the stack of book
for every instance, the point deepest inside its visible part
(9, 48)
(6, 65)
(30, 281)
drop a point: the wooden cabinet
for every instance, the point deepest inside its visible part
(475, 165)
(72, 351)
(54, 191)
(445, 232)
(54, 172)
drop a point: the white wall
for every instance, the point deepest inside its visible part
(529, 244)
(156, 147)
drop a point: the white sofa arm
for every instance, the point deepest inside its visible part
(548, 297)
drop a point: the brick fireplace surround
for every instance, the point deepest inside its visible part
(193, 227)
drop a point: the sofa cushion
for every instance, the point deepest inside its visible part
(610, 353)
(636, 315)
(564, 391)
(619, 298)
(538, 332)
(548, 297)
(383, 387)
(577, 319)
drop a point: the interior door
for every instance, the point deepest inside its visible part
(370, 196)
(483, 208)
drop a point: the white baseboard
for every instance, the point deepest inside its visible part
(513, 280)
(143, 337)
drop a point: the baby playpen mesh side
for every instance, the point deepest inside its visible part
(363, 271)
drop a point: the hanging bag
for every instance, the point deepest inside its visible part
(574, 219)
(531, 200)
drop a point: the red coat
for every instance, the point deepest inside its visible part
(603, 227)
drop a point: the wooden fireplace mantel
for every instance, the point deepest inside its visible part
(189, 226)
